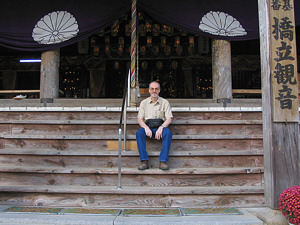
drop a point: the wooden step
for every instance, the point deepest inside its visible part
(136, 190)
(209, 178)
(91, 170)
(70, 158)
(185, 145)
(101, 152)
(190, 114)
(84, 196)
(130, 161)
(112, 129)
(129, 121)
(129, 137)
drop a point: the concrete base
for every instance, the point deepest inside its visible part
(269, 216)
(38, 218)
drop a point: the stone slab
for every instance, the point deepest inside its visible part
(246, 218)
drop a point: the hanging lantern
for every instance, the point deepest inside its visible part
(128, 30)
(121, 41)
(115, 28)
(142, 30)
(174, 65)
(156, 29)
(93, 41)
(107, 50)
(191, 47)
(116, 65)
(163, 41)
(167, 50)
(143, 50)
(167, 30)
(191, 41)
(148, 27)
(96, 50)
(191, 50)
(155, 50)
(101, 32)
(144, 65)
(179, 50)
(159, 65)
(120, 50)
(149, 41)
(177, 41)
(141, 16)
(121, 46)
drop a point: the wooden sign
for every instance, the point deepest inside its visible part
(284, 61)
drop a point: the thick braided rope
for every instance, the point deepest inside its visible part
(133, 44)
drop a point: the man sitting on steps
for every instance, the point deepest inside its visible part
(154, 117)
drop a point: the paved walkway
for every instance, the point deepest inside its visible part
(36, 218)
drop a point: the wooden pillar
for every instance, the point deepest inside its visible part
(221, 69)
(49, 83)
(279, 99)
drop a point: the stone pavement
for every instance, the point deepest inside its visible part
(59, 216)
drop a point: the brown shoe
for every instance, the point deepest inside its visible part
(144, 165)
(163, 165)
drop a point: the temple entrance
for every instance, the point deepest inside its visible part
(180, 61)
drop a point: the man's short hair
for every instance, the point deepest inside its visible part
(154, 82)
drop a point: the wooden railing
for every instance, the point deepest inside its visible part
(246, 91)
(4, 92)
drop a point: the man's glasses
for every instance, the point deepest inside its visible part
(152, 89)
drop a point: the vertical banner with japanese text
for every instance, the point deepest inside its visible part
(284, 61)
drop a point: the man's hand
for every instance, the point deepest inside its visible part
(148, 131)
(143, 125)
(158, 134)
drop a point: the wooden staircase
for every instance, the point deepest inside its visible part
(70, 158)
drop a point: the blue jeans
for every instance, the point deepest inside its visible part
(166, 143)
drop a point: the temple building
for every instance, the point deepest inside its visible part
(74, 72)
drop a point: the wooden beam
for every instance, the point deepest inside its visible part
(281, 145)
(19, 91)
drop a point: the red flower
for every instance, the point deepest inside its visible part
(289, 204)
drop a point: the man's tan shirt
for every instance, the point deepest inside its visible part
(160, 109)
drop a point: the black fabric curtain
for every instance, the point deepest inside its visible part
(231, 20)
(39, 25)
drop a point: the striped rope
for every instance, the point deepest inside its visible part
(133, 44)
